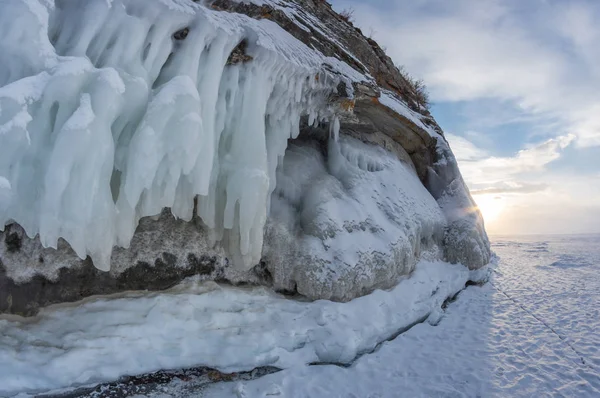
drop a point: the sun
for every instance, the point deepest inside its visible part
(491, 207)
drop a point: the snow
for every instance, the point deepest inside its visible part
(347, 221)
(309, 23)
(532, 331)
(389, 100)
(194, 324)
(105, 93)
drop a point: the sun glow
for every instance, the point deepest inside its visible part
(491, 207)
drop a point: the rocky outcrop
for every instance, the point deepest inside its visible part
(347, 221)
(348, 214)
(163, 252)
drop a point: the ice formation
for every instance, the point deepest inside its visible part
(114, 110)
(355, 215)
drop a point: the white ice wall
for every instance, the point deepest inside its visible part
(105, 118)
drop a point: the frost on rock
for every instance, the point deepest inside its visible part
(465, 239)
(116, 110)
(349, 220)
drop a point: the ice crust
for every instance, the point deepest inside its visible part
(205, 324)
(106, 117)
(346, 221)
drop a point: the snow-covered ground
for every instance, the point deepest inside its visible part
(534, 330)
(232, 329)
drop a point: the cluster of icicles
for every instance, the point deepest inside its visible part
(112, 111)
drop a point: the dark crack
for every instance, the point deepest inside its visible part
(399, 332)
(194, 378)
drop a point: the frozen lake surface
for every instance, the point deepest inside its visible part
(532, 330)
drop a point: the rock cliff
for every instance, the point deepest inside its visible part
(264, 142)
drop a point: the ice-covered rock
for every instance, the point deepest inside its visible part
(465, 239)
(270, 137)
(135, 109)
(348, 220)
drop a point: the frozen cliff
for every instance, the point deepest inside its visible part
(265, 142)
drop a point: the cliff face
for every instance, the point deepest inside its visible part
(288, 146)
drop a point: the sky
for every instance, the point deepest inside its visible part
(515, 85)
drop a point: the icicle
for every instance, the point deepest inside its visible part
(157, 112)
(334, 128)
(312, 119)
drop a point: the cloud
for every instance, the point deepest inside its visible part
(465, 150)
(540, 55)
(530, 198)
(524, 188)
(481, 170)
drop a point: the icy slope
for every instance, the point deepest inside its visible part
(115, 110)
